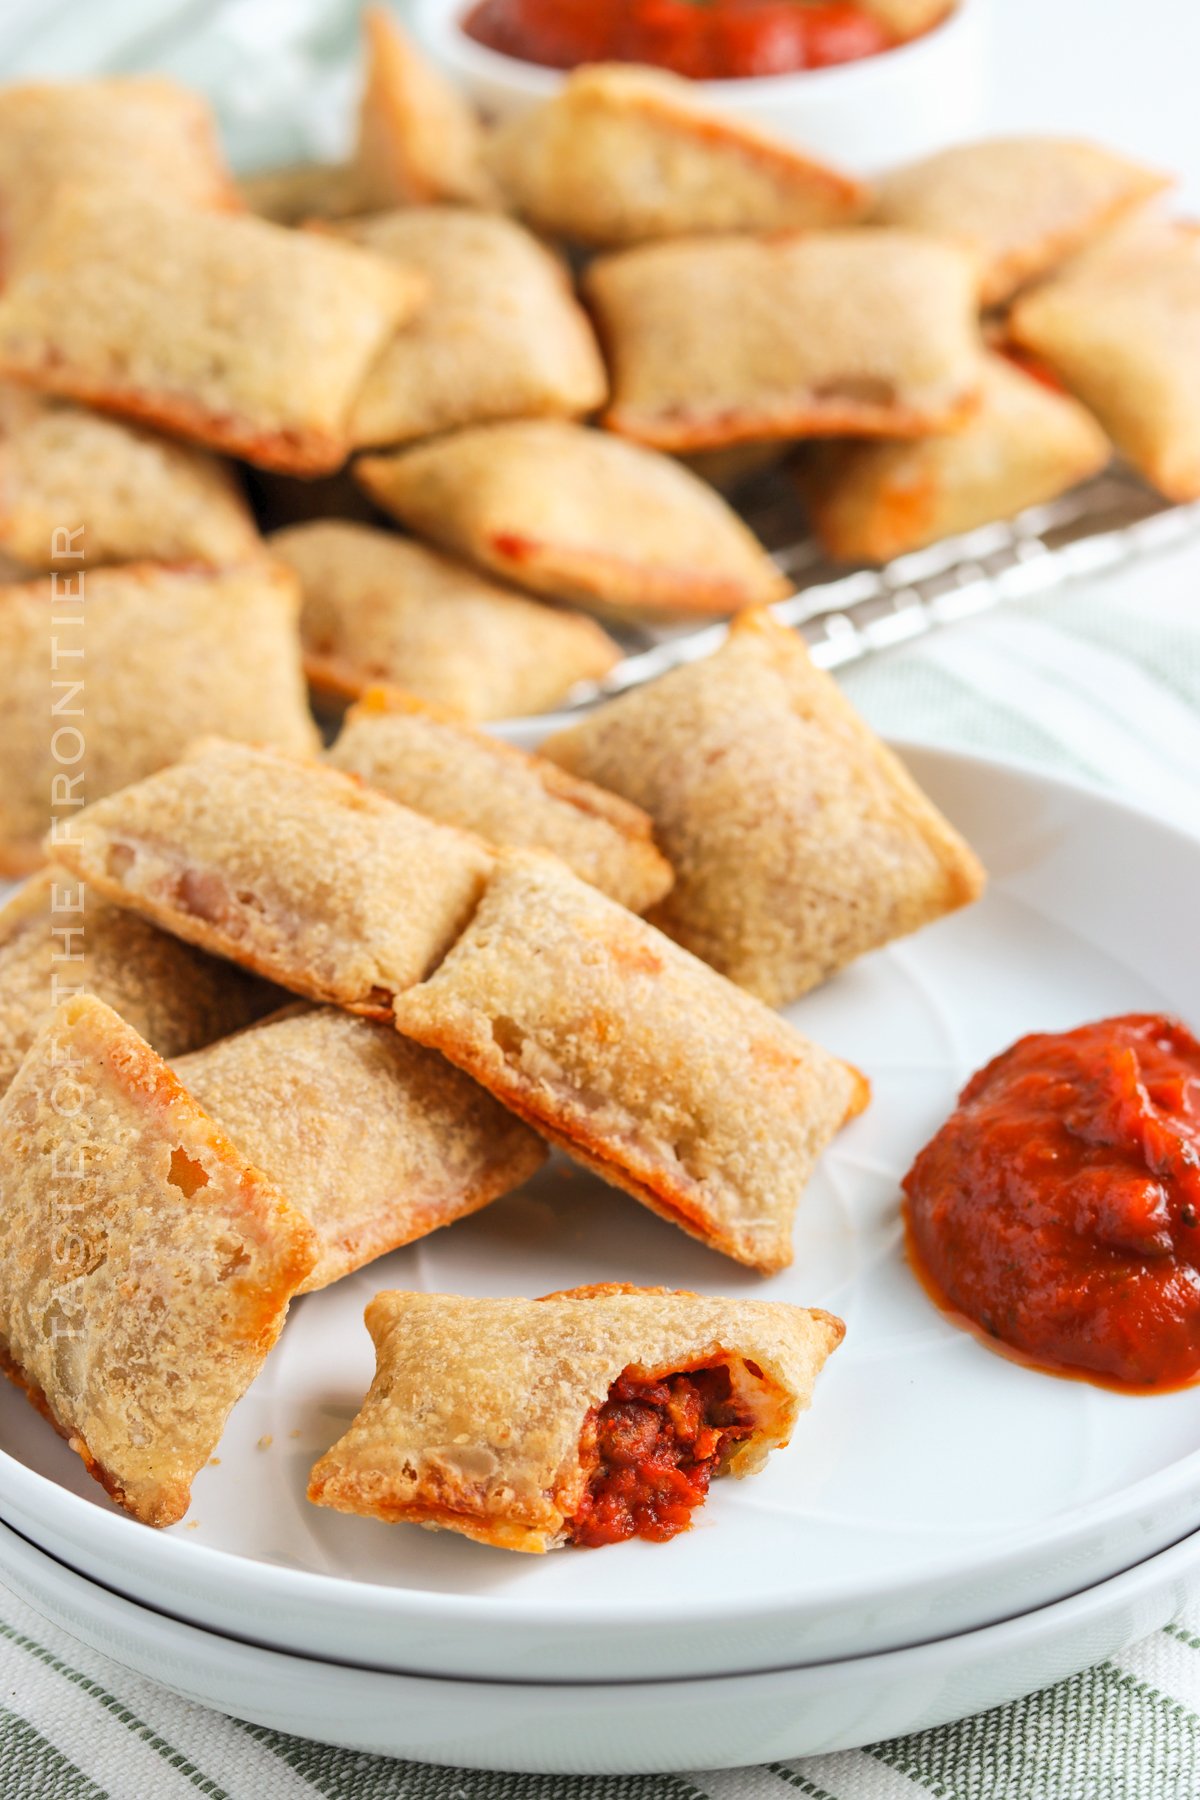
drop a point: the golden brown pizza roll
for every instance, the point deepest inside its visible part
(291, 869)
(379, 608)
(624, 155)
(798, 840)
(500, 336)
(868, 502)
(78, 489)
(124, 134)
(1123, 332)
(233, 331)
(145, 1266)
(375, 1140)
(418, 138)
(728, 340)
(1018, 205)
(640, 1061)
(585, 1418)
(578, 515)
(135, 661)
(442, 767)
(298, 192)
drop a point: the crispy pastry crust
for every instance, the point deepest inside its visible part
(430, 760)
(577, 515)
(380, 608)
(641, 1062)
(145, 1267)
(798, 840)
(375, 1140)
(418, 139)
(491, 1447)
(625, 155)
(289, 868)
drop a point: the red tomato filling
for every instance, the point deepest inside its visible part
(1059, 1206)
(653, 1448)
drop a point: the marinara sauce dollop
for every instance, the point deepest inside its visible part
(1059, 1206)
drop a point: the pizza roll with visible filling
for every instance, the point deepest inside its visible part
(1019, 205)
(136, 660)
(291, 869)
(132, 134)
(433, 762)
(418, 138)
(375, 1140)
(78, 489)
(624, 155)
(145, 1266)
(297, 192)
(578, 515)
(379, 608)
(240, 334)
(644, 1064)
(798, 840)
(1025, 445)
(1123, 332)
(587, 1418)
(501, 334)
(730, 340)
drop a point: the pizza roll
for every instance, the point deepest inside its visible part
(643, 1064)
(297, 192)
(797, 838)
(78, 489)
(379, 608)
(238, 333)
(578, 515)
(418, 138)
(500, 336)
(293, 870)
(1026, 444)
(57, 940)
(1018, 205)
(126, 134)
(729, 340)
(137, 660)
(585, 1418)
(1123, 332)
(442, 767)
(145, 1266)
(375, 1140)
(624, 155)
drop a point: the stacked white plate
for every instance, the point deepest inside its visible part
(947, 1530)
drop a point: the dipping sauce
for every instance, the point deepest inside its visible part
(1059, 1206)
(714, 41)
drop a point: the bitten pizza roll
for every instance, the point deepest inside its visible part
(1025, 445)
(379, 608)
(728, 340)
(441, 767)
(1019, 205)
(500, 336)
(418, 138)
(145, 1266)
(126, 134)
(78, 489)
(58, 940)
(241, 334)
(623, 155)
(578, 515)
(797, 838)
(296, 871)
(136, 661)
(586, 1418)
(375, 1140)
(1122, 330)
(641, 1062)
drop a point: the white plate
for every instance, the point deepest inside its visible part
(935, 1487)
(646, 1727)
